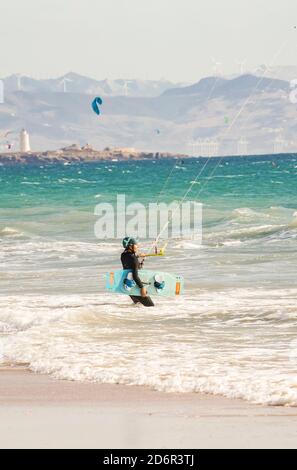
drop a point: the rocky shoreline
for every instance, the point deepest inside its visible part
(74, 153)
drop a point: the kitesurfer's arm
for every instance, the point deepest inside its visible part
(135, 273)
(130, 261)
(136, 278)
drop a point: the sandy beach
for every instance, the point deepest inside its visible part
(161, 167)
(37, 411)
(231, 336)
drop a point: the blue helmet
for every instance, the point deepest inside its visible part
(129, 241)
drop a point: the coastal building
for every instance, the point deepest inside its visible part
(279, 145)
(204, 148)
(242, 146)
(24, 141)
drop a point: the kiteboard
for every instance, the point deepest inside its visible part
(156, 283)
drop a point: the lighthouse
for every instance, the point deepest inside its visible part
(24, 141)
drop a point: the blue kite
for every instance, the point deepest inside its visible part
(95, 105)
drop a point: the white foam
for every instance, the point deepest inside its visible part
(235, 342)
(10, 232)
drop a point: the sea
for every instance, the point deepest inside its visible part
(233, 332)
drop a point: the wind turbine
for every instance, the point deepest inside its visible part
(19, 81)
(64, 83)
(263, 69)
(241, 64)
(217, 69)
(125, 86)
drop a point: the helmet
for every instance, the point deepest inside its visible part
(129, 241)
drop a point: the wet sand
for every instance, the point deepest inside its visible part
(37, 411)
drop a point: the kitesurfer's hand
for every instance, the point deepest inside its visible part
(143, 292)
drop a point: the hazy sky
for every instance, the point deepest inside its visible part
(173, 39)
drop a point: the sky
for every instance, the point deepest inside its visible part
(178, 40)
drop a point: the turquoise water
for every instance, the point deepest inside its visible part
(234, 330)
(257, 181)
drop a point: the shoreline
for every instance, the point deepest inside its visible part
(39, 411)
(75, 153)
(88, 155)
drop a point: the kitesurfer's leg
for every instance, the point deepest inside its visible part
(146, 301)
(135, 299)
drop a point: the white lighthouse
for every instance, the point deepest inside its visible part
(24, 141)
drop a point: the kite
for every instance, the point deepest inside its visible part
(95, 105)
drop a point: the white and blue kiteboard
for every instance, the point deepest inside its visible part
(156, 282)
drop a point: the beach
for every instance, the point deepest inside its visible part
(37, 411)
(213, 367)
(148, 230)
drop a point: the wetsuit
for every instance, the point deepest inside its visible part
(130, 261)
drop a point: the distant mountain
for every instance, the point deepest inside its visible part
(203, 86)
(221, 87)
(255, 110)
(75, 83)
(281, 72)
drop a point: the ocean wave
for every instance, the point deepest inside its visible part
(245, 213)
(10, 232)
(232, 341)
(246, 233)
(255, 231)
(232, 243)
(246, 224)
(68, 248)
(293, 223)
(188, 245)
(220, 342)
(75, 180)
(42, 264)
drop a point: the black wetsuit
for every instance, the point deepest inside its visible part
(130, 261)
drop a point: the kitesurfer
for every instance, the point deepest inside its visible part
(130, 260)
